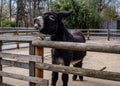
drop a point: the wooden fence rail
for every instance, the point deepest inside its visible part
(79, 46)
(101, 32)
(25, 78)
(21, 58)
(17, 30)
(78, 71)
(88, 32)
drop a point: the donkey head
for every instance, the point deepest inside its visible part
(49, 22)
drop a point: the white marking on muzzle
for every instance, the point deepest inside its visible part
(41, 22)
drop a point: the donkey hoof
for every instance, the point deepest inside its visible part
(81, 78)
(74, 77)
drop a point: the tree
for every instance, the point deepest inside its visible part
(1, 9)
(108, 13)
(10, 2)
(85, 14)
(24, 10)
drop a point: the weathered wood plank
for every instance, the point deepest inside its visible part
(106, 48)
(5, 84)
(0, 45)
(15, 28)
(19, 31)
(21, 57)
(42, 85)
(15, 64)
(78, 71)
(0, 61)
(16, 38)
(31, 71)
(31, 63)
(25, 78)
(40, 52)
(17, 43)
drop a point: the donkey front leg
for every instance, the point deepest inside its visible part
(79, 64)
(65, 77)
(54, 74)
(54, 78)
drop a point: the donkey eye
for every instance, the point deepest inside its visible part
(52, 18)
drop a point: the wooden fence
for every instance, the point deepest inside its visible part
(36, 68)
(17, 30)
(79, 47)
(101, 32)
(106, 48)
(108, 33)
(21, 62)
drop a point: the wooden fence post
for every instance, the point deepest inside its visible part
(108, 34)
(40, 52)
(31, 63)
(0, 62)
(88, 34)
(17, 43)
(32, 70)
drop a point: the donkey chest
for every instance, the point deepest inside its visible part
(62, 56)
(62, 53)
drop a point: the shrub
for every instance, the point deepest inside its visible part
(8, 23)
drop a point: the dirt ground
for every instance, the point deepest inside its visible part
(93, 60)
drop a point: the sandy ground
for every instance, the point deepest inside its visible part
(93, 60)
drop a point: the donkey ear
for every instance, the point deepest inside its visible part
(64, 15)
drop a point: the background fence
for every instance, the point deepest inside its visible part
(89, 33)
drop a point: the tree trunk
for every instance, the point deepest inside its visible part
(10, 9)
(1, 13)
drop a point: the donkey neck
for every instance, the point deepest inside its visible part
(61, 34)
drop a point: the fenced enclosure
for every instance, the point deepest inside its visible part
(39, 67)
(101, 14)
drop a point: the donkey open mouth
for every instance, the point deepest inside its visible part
(39, 23)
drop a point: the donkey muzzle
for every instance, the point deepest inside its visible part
(36, 25)
(39, 23)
